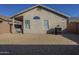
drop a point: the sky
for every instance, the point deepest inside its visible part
(68, 9)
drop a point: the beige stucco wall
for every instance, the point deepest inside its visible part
(4, 27)
(38, 26)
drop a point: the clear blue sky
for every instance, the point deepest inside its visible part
(11, 9)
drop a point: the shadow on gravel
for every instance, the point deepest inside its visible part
(39, 49)
(73, 37)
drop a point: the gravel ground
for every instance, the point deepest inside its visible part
(39, 44)
(35, 39)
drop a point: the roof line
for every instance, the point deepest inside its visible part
(42, 6)
(56, 11)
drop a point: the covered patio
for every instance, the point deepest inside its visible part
(16, 25)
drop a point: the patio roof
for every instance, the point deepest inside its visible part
(4, 18)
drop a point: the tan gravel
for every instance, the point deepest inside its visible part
(35, 39)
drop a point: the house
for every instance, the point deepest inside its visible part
(4, 24)
(38, 19)
(73, 25)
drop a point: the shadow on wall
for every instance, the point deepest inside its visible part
(66, 34)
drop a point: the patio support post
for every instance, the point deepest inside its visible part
(13, 27)
(23, 25)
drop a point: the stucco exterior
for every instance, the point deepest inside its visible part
(4, 27)
(37, 26)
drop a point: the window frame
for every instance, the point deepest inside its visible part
(46, 24)
(36, 18)
(27, 25)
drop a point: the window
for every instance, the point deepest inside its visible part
(36, 17)
(27, 24)
(46, 24)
